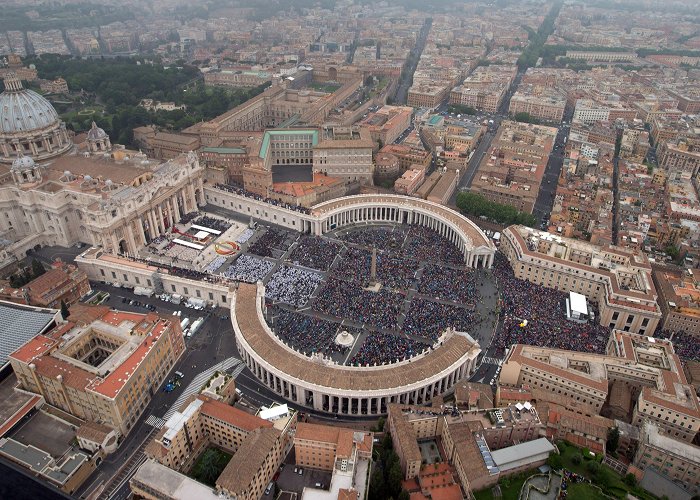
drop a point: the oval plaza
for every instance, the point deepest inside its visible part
(317, 382)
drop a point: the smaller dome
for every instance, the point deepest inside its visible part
(95, 133)
(67, 173)
(87, 178)
(23, 163)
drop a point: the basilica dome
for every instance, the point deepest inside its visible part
(29, 124)
(23, 163)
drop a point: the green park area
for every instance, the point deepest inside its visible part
(109, 91)
(477, 205)
(325, 86)
(209, 465)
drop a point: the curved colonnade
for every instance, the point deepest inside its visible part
(345, 390)
(477, 248)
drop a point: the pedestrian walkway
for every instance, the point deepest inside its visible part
(198, 382)
(492, 361)
(154, 421)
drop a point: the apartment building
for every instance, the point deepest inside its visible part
(102, 370)
(330, 448)
(426, 95)
(682, 156)
(601, 56)
(257, 446)
(387, 123)
(679, 298)
(544, 103)
(409, 157)
(676, 460)
(409, 181)
(485, 88)
(581, 381)
(618, 280)
(511, 171)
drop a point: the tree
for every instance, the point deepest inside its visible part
(380, 424)
(630, 480)
(673, 251)
(593, 467)
(576, 459)
(394, 479)
(37, 268)
(377, 486)
(555, 461)
(404, 495)
(64, 310)
(613, 440)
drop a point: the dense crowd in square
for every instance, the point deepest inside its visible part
(686, 345)
(292, 285)
(249, 269)
(345, 299)
(536, 315)
(430, 319)
(271, 239)
(314, 252)
(384, 348)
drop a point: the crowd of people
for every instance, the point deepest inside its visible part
(231, 188)
(446, 283)
(393, 272)
(429, 320)
(536, 315)
(380, 348)
(271, 239)
(292, 285)
(188, 217)
(215, 264)
(212, 223)
(305, 333)
(686, 345)
(427, 245)
(345, 299)
(245, 236)
(381, 237)
(314, 252)
(248, 269)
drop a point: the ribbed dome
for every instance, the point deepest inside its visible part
(23, 163)
(96, 133)
(23, 110)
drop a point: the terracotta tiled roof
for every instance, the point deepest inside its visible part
(231, 415)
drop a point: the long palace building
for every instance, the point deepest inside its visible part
(618, 280)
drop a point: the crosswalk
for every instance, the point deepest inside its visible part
(199, 380)
(154, 421)
(492, 361)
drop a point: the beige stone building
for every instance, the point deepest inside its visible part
(581, 380)
(618, 280)
(511, 171)
(103, 369)
(257, 446)
(679, 298)
(387, 123)
(330, 448)
(344, 152)
(539, 102)
(682, 156)
(468, 438)
(426, 95)
(677, 460)
(119, 202)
